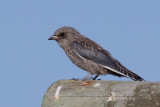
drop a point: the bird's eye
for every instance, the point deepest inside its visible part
(62, 34)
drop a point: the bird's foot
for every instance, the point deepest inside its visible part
(86, 78)
(83, 79)
(76, 79)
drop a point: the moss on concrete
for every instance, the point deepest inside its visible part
(145, 95)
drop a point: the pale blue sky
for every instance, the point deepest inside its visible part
(29, 63)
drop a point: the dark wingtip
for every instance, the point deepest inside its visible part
(138, 78)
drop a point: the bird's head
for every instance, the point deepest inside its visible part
(65, 36)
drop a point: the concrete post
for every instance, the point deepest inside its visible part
(70, 93)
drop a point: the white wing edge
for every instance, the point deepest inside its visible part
(114, 70)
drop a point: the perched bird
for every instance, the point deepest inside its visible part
(90, 56)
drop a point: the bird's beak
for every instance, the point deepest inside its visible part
(53, 37)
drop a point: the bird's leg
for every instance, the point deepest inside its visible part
(95, 77)
(86, 78)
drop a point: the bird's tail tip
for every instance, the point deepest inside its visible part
(137, 78)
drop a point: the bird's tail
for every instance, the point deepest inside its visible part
(128, 73)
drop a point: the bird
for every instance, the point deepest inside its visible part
(89, 55)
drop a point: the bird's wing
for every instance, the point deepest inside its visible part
(104, 59)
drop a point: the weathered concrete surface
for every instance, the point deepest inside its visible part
(70, 93)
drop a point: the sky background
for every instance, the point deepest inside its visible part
(29, 63)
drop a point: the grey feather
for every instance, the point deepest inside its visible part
(100, 57)
(104, 59)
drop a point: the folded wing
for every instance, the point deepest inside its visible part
(104, 59)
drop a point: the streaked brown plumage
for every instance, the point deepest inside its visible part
(89, 56)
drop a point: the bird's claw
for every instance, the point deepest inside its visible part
(86, 78)
(76, 79)
(83, 79)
